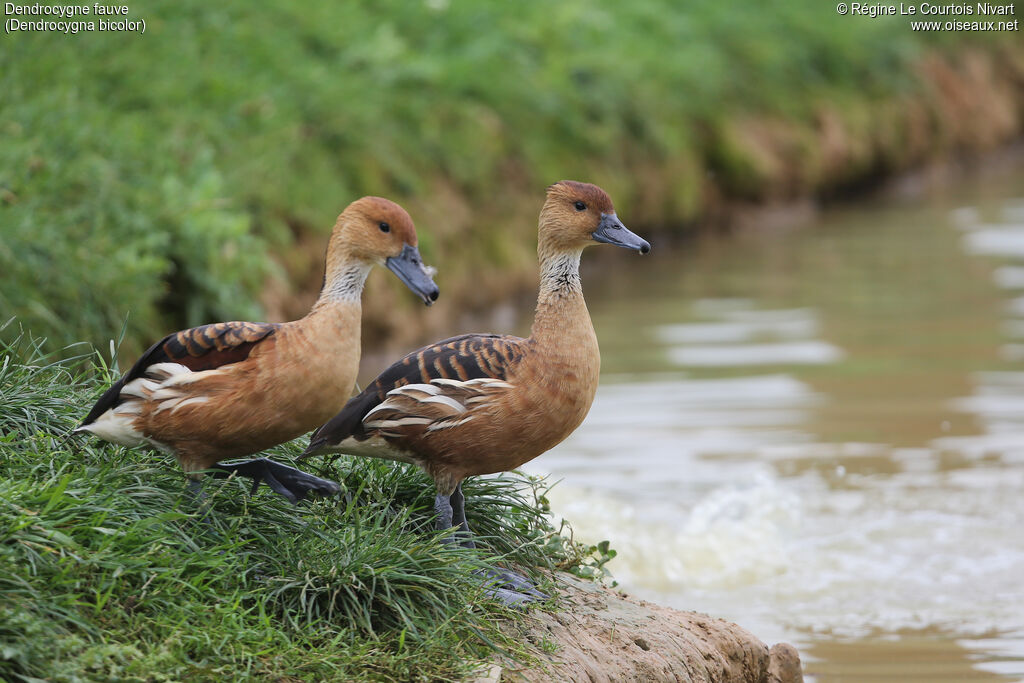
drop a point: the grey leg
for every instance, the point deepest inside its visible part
(194, 491)
(194, 494)
(443, 508)
(503, 585)
(458, 504)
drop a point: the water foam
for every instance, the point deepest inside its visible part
(734, 536)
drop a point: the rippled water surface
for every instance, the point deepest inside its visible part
(819, 433)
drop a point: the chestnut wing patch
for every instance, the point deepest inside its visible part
(211, 346)
(199, 348)
(463, 358)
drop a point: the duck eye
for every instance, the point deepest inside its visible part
(384, 227)
(580, 206)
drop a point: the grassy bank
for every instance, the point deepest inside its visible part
(152, 176)
(106, 573)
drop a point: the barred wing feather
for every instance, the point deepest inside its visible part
(196, 349)
(430, 389)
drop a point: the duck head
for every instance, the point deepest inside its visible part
(577, 215)
(377, 231)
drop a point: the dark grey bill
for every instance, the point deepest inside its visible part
(611, 231)
(408, 266)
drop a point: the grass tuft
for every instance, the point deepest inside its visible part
(108, 572)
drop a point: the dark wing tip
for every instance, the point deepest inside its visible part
(317, 441)
(343, 425)
(106, 401)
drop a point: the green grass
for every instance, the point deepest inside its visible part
(151, 176)
(107, 572)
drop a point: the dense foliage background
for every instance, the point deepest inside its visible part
(170, 178)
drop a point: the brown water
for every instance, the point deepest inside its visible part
(819, 434)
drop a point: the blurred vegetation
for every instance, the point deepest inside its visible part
(152, 177)
(107, 572)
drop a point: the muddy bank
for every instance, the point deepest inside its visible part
(599, 635)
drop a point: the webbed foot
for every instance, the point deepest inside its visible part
(510, 598)
(511, 582)
(291, 483)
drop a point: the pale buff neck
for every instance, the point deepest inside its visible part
(332, 327)
(561, 314)
(344, 285)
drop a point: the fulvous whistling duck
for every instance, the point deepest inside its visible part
(231, 389)
(484, 403)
